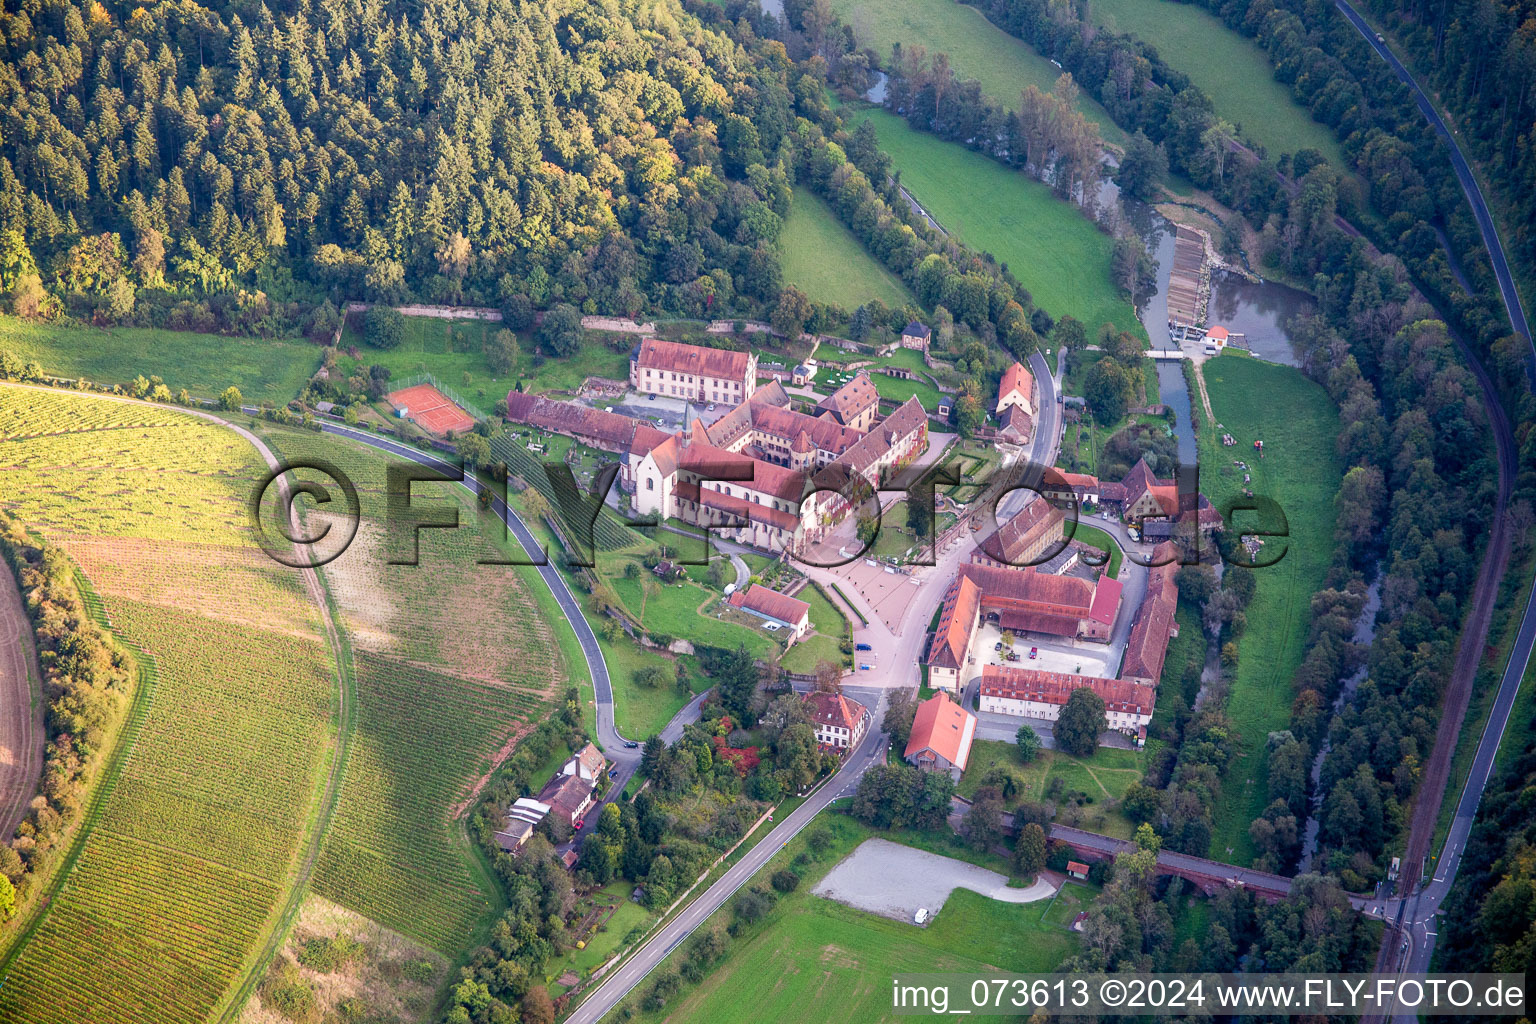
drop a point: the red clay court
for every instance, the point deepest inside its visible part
(431, 410)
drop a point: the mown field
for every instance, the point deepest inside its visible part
(820, 256)
(1228, 67)
(205, 364)
(1254, 400)
(193, 844)
(811, 952)
(977, 49)
(1057, 252)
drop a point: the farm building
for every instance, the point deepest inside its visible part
(1033, 693)
(942, 733)
(568, 796)
(789, 612)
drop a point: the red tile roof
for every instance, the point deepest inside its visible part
(1147, 648)
(1106, 600)
(1017, 378)
(760, 599)
(1044, 687)
(1031, 600)
(1035, 521)
(943, 727)
(566, 794)
(953, 635)
(833, 709)
(610, 429)
(677, 357)
(907, 420)
(851, 399)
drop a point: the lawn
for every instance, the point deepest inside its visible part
(205, 364)
(811, 952)
(688, 611)
(1233, 71)
(1096, 537)
(637, 711)
(891, 389)
(1254, 400)
(453, 351)
(1048, 243)
(977, 49)
(1104, 777)
(601, 941)
(821, 257)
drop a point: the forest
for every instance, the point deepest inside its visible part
(228, 167)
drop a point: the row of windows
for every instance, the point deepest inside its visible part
(728, 385)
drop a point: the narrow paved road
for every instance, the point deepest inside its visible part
(670, 935)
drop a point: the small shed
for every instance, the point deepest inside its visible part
(1077, 869)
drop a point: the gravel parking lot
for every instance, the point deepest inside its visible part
(892, 880)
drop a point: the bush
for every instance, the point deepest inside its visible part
(383, 327)
(330, 955)
(785, 880)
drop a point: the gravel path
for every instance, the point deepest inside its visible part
(892, 880)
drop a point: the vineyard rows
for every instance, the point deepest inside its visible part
(608, 533)
(189, 483)
(40, 412)
(190, 844)
(140, 933)
(230, 701)
(393, 854)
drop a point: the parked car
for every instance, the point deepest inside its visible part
(997, 646)
(580, 824)
(631, 744)
(862, 647)
(1034, 652)
(651, 397)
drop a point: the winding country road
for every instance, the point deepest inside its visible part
(1416, 931)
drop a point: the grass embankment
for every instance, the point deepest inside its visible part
(263, 369)
(810, 951)
(829, 626)
(977, 49)
(821, 257)
(1231, 69)
(1050, 246)
(1104, 778)
(1254, 400)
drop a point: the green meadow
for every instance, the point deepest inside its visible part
(205, 364)
(1300, 470)
(976, 48)
(1048, 244)
(1233, 71)
(824, 260)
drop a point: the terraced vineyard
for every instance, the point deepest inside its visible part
(422, 739)
(194, 841)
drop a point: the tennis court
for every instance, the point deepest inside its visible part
(430, 409)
